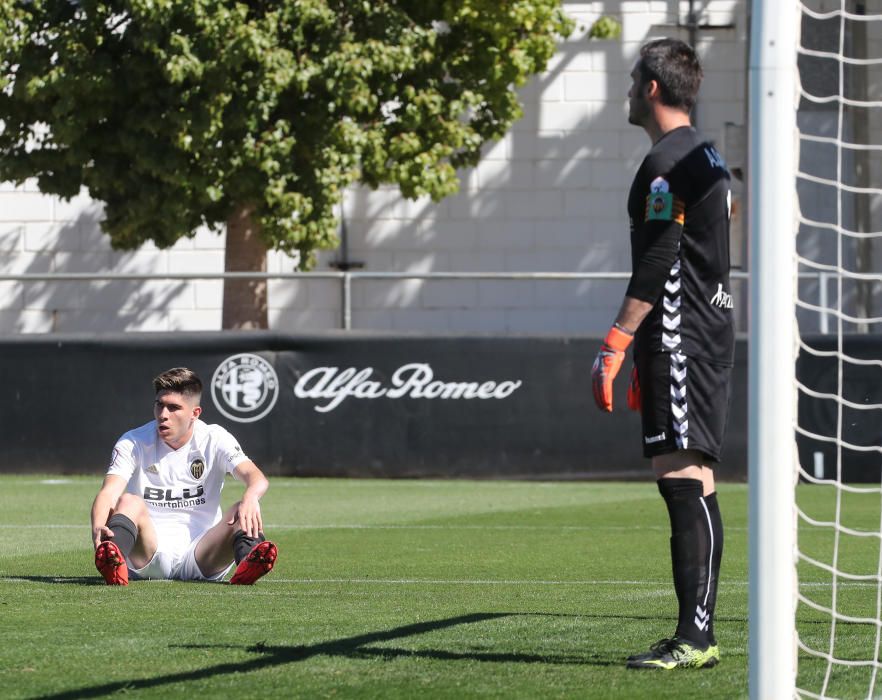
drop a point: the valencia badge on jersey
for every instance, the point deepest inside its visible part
(197, 468)
(662, 204)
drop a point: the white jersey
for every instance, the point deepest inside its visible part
(182, 488)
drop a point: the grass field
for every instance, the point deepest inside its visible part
(383, 589)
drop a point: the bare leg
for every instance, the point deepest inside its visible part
(214, 553)
(685, 464)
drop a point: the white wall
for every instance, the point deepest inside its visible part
(549, 197)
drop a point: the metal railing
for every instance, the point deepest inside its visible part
(348, 277)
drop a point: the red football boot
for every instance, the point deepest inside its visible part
(259, 561)
(112, 564)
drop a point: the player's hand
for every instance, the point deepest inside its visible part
(635, 399)
(607, 365)
(247, 517)
(101, 533)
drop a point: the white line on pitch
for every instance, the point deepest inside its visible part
(532, 582)
(661, 585)
(353, 526)
(12, 526)
(380, 526)
(376, 527)
(462, 582)
(457, 527)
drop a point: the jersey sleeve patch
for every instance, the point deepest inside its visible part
(665, 206)
(122, 460)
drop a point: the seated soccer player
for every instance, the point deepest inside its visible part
(158, 513)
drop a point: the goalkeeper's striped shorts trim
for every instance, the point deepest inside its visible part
(685, 403)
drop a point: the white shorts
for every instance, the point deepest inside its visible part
(177, 566)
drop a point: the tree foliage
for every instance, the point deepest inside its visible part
(175, 112)
(605, 27)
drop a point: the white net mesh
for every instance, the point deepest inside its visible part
(839, 373)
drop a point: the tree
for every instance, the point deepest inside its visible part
(257, 114)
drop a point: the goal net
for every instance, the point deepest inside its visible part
(839, 345)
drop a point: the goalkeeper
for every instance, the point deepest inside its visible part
(158, 513)
(677, 311)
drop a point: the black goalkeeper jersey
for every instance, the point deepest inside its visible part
(679, 208)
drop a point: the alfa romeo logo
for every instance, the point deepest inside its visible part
(244, 387)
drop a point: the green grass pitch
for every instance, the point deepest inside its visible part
(383, 589)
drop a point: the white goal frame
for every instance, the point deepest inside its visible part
(772, 467)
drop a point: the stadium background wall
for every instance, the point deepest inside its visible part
(69, 397)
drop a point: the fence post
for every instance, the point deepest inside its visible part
(347, 301)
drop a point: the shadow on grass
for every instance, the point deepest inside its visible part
(72, 580)
(352, 647)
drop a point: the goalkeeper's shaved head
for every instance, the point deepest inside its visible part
(180, 380)
(674, 65)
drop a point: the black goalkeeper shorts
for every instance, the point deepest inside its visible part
(685, 403)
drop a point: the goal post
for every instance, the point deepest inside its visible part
(772, 142)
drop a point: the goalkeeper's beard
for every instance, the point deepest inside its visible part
(638, 113)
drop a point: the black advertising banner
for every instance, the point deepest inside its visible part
(339, 404)
(841, 438)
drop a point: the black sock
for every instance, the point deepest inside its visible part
(713, 508)
(242, 544)
(694, 549)
(125, 532)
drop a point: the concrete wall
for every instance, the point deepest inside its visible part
(549, 197)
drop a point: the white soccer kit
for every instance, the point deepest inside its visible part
(182, 488)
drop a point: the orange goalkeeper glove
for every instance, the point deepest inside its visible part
(607, 365)
(635, 400)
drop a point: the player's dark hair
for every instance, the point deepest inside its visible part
(180, 380)
(674, 65)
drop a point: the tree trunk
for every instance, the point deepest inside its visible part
(245, 300)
